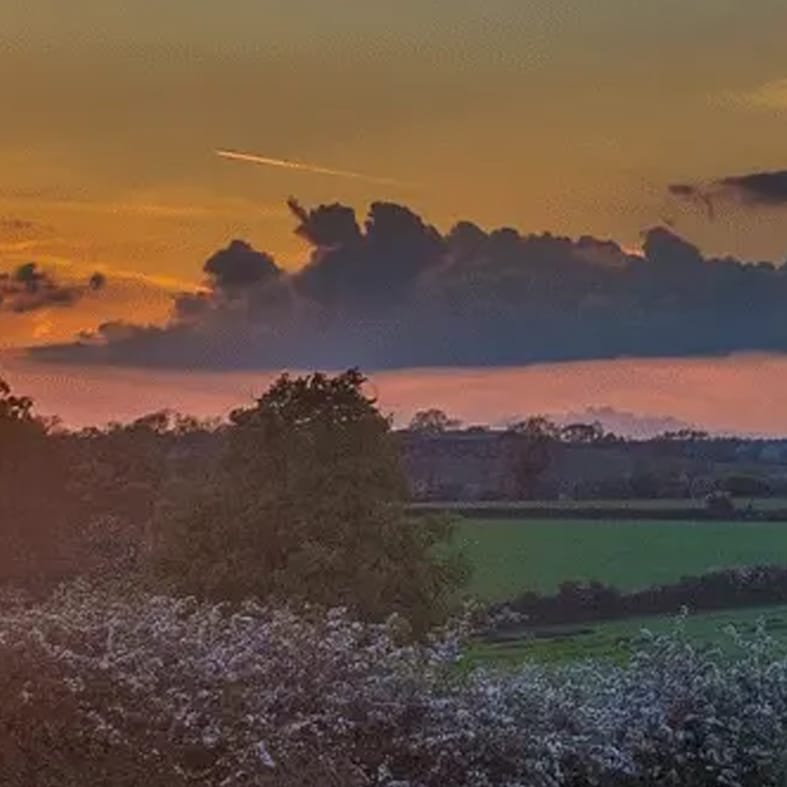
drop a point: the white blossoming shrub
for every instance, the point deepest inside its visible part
(100, 689)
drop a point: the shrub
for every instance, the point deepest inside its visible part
(154, 691)
(183, 690)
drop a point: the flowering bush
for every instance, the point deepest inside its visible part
(130, 689)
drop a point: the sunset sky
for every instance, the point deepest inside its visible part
(548, 115)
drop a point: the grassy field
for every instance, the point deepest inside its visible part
(510, 556)
(615, 640)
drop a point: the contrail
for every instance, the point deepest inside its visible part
(297, 165)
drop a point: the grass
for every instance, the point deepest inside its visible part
(510, 556)
(615, 640)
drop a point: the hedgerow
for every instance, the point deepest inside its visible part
(579, 602)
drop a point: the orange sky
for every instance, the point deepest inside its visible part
(554, 115)
(547, 115)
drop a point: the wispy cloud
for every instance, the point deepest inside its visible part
(142, 207)
(772, 95)
(314, 169)
(769, 96)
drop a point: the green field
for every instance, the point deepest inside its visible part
(615, 640)
(509, 556)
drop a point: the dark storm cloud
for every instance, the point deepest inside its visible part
(755, 189)
(239, 266)
(326, 227)
(392, 291)
(760, 188)
(374, 267)
(28, 288)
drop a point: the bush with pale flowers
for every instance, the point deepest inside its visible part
(100, 687)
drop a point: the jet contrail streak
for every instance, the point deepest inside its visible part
(297, 165)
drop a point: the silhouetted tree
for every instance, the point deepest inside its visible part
(528, 447)
(432, 421)
(308, 504)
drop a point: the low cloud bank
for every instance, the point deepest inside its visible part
(392, 291)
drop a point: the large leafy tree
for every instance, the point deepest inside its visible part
(308, 504)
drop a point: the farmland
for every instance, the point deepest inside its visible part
(509, 556)
(614, 640)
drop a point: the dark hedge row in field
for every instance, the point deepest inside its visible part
(579, 602)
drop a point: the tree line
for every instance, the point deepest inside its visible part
(298, 498)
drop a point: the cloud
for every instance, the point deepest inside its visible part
(694, 194)
(752, 190)
(771, 95)
(759, 188)
(28, 288)
(373, 268)
(14, 225)
(15, 229)
(175, 204)
(623, 422)
(239, 266)
(392, 291)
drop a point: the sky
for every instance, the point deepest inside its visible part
(550, 115)
(640, 398)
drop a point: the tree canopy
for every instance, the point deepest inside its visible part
(308, 503)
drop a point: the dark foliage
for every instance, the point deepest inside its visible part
(307, 503)
(740, 485)
(124, 473)
(81, 503)
(301, 497)
(579, 602)
(37, 505)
